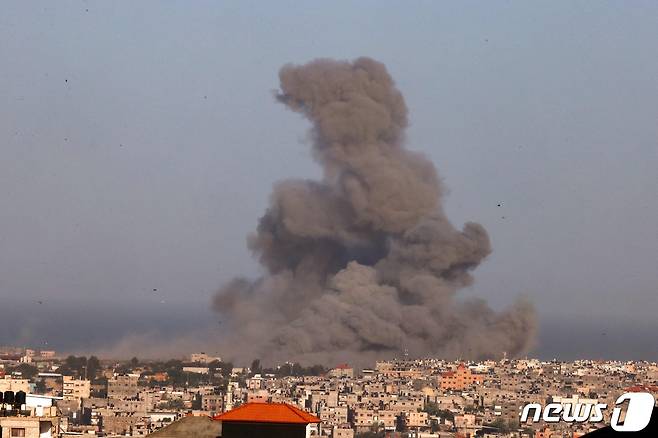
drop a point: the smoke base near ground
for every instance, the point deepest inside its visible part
(363, 264)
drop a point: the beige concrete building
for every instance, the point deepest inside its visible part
(363, 418)
(196, 370)
(343, 432)
(212, 403)
(123, 386)
(122, 423)
(27, 427)
(74, 389)
(46, 425)
(386, 418)
(342, 370)
(203, 358)
(417, 419)
(13, 384)
(333, 415)
(459, 379)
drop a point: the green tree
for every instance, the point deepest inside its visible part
(433, 409)
(40, 387)
(297, 370)
(316, 370)
(27, 371)
(227, 368)
(74, 366)
(93, 367)
(256, 367)
(503, 426)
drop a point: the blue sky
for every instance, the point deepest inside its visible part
(139, 142)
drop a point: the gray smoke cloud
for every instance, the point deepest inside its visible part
(363, 264)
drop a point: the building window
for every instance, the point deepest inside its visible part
(17, 431)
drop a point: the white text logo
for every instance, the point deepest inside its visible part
(638, 413)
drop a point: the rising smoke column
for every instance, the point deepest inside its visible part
(363, 264)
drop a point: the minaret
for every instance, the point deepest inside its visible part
(228, 397)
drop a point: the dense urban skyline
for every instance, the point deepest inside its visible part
(189, 395)
(140, 142)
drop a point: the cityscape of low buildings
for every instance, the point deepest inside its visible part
(423, 398)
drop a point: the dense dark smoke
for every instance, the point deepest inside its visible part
(363, 264)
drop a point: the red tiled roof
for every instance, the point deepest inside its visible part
(642, 388)
(267, 413)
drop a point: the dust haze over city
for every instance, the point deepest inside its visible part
(330, 182)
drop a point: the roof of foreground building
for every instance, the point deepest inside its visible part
(198, 427)
(267, 413)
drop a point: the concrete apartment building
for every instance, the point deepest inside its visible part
(417, 419)
(363, 419)
(403, 405)
(123, 386)
(342, 370)
(397, 369)
(75, 389)
(27, 427)
(388, 419)
(123, 423)
(213, 403)
(13, 384)
(258, 396)
(366, 418)
(324, 398)
(459, 379)
(203, 358)
(196, 370)
(343, 432)
(38, 419)
(333, 416)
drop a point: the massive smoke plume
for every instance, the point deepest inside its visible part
(363, 264)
